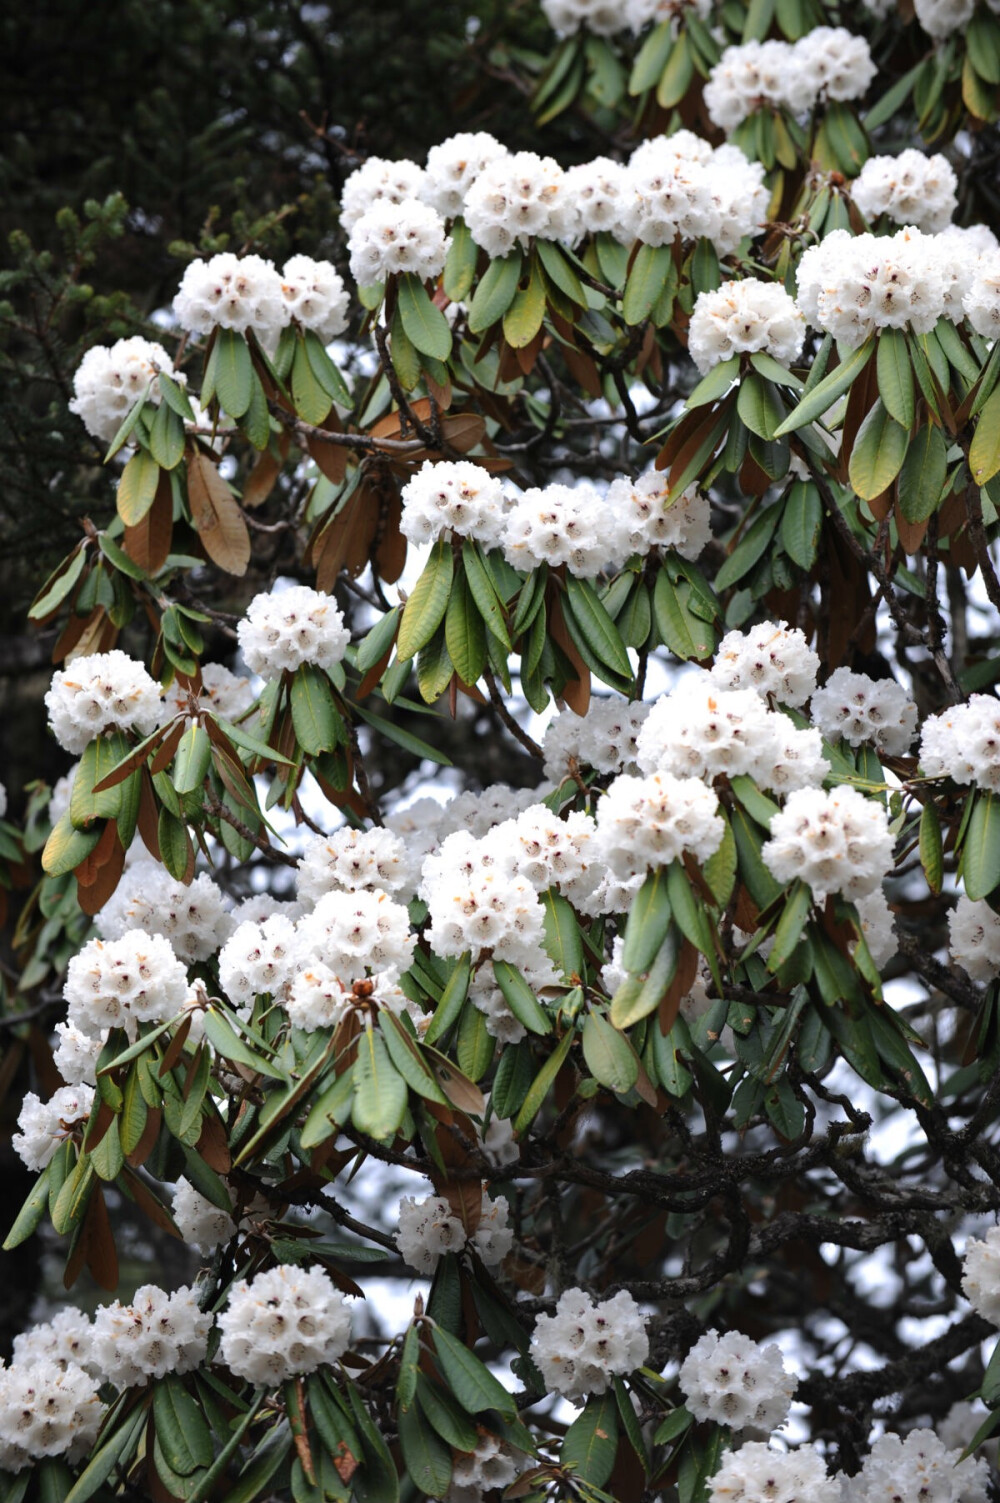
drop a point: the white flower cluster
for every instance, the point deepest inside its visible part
(733, 1381)
(258, 960)
(517, 198)
(940, 18)
(699, 730)
(283, 630)
(602, 17)
(222, 693)
(603, 194)
(741, 317)
(232, 292)
(314, 296)
(357, 933)
(477, 901)
(106, 691)
(110, 379)
(680, 188)
(75, 1055)
(963, 743)
(44, 1125)
(981, 295)
(756, 1474)
(604, 738)
(850, 285)
(205, 1225)
(119, 983)
(918, 1467)
(453, 166)
(392, 238)
(586, 1343)
(491, 1466)
(564, 524)
(974, 938)
(429, 1228)
(647, 822)
(836, 841)
(351, 859)
(827, 63)
(377, 181)
(774, 659)
(981, 1279)
(195, 917)
(66, 1338)
(640, 13)
(654, 518)
(284, 1322)
(911, 188)
(46, 1409)
(157, 1334)
(859, 708)
(875, 918)
(457, 497)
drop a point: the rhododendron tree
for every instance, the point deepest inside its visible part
(627, 1129)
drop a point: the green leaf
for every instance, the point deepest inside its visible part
(981, 848)
(802, 523)
(676, 1423)
(631, 1002)
(521, 999)
(677, 75)
(794, 916)
(648, 923)
(684, 633)
(66, 847)
(460, 267)
(822, 396)
(121, 1445)
(194, 756)
(596, 626)
(542, 1083)
(316, 720)
(452, 1000)
(427, 328)
(166, 437)
(175, 397)
(591, 1442)
(465, 633)
(984, 451)
(181, 1428)
(523, 318)
(401, 736)
(895, 377)
(648, 67)
(610, 1059)
(474, 1045)
(484, 594)
(234, 373)
(923, 472)
(137, 487)
(175, 844)
(373, 648)
(128, 423)
(30, 1215)
(58, 584)
(331, 1108)
(227, 1042)
(931, 847)
(376, 1481)
(380, 1093)
(691, 917)
(473, 1385)
(495, 293)
(719, 381)
(406, 1384)
(751, 547)
(646, 281)
(425, 609)
(427, 1458)
(760, 406)
(878, 453)
(98, 759)
(450, 1422)
(404, 1051)
(562, 939)
(559, 271)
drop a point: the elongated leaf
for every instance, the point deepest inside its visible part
(450, 1422)
(137, 487)
(473, 1385)
(483, 593)
(120, 1446)
(591, 1442)
(452, 1000)
(315, 717)
(495, 293)
(427, 1458)
(166, 437)
(194, 755)
(648, 922)
(465, 633)
(610, 1059)
(523, 318)
(181, 1428)
(981, 848)
(521, 999)
(631, 1002)
(404, 1051)
(822, 396)
(984, 451)
(646, 281)
(234, 374)
(596, 625)
(878, 453)
(542, 1084)
(931, 847)
(30, 1215)
(66, 847)
(425, 324)
(460, 267)
(760, 406)
(380, 1093)
(794, 915)
(922, 476)
(895, 377)
(231, 1046)
(425, 609)
(562, 936)
(802, 523)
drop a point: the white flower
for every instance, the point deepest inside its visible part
(919, 1470)
(392, 238)
(834, 62)
(222, 693)
(602, 190)
(756, 1474)
(733, 1381)
(110, 380)
(940, 18)
(315, 296)
(981, 1279)
(477, 901)
(911, 188)
(429, 1228)
(44, 1125)
(565, 524)
(195, 916)
(838, 841)
(671, 196)
(259, 960)
(351, 859)
(232, 292)
(772, 658)
(499, 1143)
(316, 998)
(963, 743)
(457, 497)
(65, 1339)
(604, 738)
(647, 822)
(102, 692)
(204, 1225)
(753, 76)
(76, 1054)
(453, 166)
(281, 631)
(517, 198)
(62, 792)
(640, 13)
(491, 1466)
(602, 17)
(358, 933)
(284, 1322)
(862, 709)
(585, 1344)
(653, 518)
(157, 1334)
(974, 938)
(46, 1410)
(118, 983)
(853, 285)
(875, 917)
(745, 316)
(378, 181)
(981, 298)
